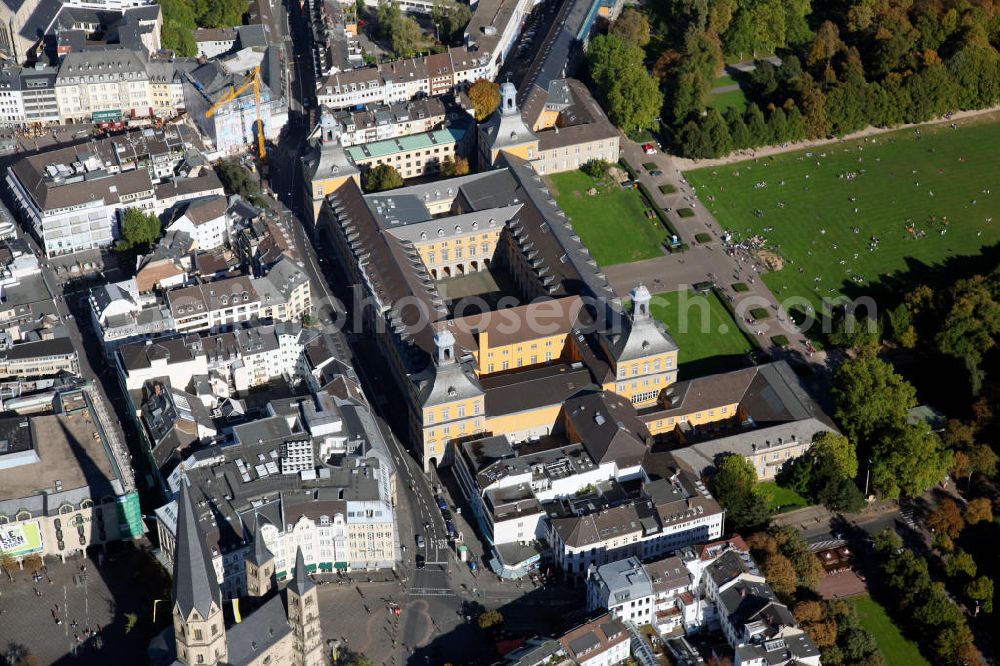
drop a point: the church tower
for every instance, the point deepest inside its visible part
(259, 564)
(303, 615)
(199, 627)
(506, 132)
(643, 355)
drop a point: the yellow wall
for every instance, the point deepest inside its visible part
(528, 151)
(542, 418)
(646, 365)
(323, 187)
(520, 354)
(658, 425)
(432, 252)
(546, 120)
(647, 377)
(456, 410)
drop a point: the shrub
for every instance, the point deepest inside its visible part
(667, 189)
(685, 212)
(623, 163)
(740, 287)
(780, 340)
(596, 169)
(759, 313)
(703, 238)
(649, 166)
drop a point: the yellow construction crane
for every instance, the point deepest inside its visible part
(252, 80)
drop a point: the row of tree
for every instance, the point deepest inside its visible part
(948, 522)
(793, 570)
(867, 63)
(935, 620)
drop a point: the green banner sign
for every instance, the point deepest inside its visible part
(130, 523)
(99, 116)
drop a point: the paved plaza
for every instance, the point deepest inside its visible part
(94, 597)
(438, 626)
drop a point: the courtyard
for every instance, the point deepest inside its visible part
(708, 337)
(612, 223)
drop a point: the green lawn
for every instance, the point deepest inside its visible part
(821, 208)
(896, 648)
(724, 80)
(612, 224)
(704, 330)
(724, 99)
(782, 499)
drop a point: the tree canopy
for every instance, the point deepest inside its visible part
(140, 231)
(182, 17)
(450, 19)
(485, 98)
(631, 96)
(735, 486)
(454, 167)
(400, 31)
(632, 27)
(382, 177)
(838, 68)
(238, 180)
(870, 396)
(908, 460)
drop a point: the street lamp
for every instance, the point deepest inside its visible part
(868, 473)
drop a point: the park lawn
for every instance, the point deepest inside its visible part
(723, 99)
(612, 224)
(782, 499)
(813, 229)
(705, 332)
(896, 648)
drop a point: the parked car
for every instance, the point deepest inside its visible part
(649, 149)
(420, 541)
(441, 503)
(452, 532)
(655, 173)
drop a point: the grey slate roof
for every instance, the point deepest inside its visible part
(261, 553)
(257, 633)
(195, 583)
(300, 580)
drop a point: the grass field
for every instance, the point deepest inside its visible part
(821, 208)
(896, 648)
(612, 224)
(782, 499)
(708, 338)
(724, 99)
(727, 98)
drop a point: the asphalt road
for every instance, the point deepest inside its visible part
(416, 507)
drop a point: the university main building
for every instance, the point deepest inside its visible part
(506, 338)
(489, 307)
